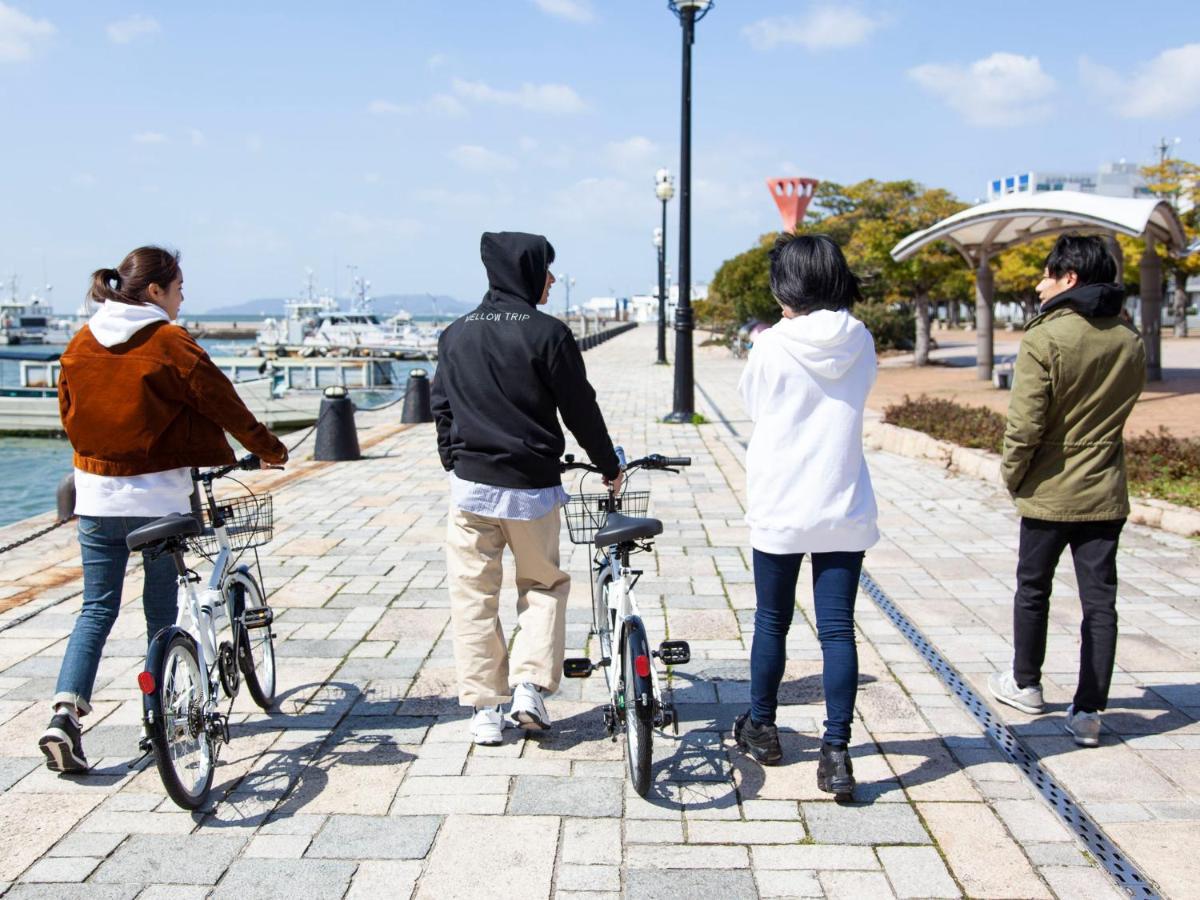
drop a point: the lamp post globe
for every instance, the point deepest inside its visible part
(689, 13)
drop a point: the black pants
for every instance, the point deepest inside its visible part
(1094, 550)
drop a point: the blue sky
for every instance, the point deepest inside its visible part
(263, 138)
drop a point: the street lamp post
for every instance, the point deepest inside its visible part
(664, 189)
(689, 12)
(567, 281)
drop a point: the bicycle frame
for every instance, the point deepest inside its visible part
(624, 612)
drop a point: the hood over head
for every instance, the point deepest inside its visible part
(1095, 301)
(516, 264)
(115, 323)
(826, 342)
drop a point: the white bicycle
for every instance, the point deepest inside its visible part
(616, 525)
(187, 667)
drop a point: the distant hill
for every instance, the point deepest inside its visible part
(385, 305)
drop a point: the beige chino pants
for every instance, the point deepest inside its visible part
(474, 547)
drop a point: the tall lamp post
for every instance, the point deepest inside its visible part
(567, 281)
(664, 189)
(689, 13)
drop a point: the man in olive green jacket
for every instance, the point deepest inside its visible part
(1078, 373)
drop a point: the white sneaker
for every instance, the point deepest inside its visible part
(1083, 726)
(528, 709)
(1003, 686)
(487, 727)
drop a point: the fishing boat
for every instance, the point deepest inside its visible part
(31, 321)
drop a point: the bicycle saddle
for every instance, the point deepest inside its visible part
(620, 528)
(174, 525)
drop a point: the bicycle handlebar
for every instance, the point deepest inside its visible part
(248, 463)
(653, 461)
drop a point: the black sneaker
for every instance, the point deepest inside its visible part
(62, 742)
(760, 741)
(835, 771)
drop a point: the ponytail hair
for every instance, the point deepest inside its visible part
(129, 282)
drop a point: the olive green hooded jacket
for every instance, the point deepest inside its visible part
(1078, 373)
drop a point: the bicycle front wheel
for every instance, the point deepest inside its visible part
(256, 646)
(638, 735)
(602, 619)
(183, 750)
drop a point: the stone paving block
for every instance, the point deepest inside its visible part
(550, 795)
(845, 823)
(591, 841)
(588, 878)
(447, 804)
(30, 824)
(83, 844)
(917, 872)
(170, 859)
(277, 846)
(854, 885)
(1077, 883)
(89, 891)
(704, 832)
(813, 856)
(374, 837)
(284, 879)
(1154, 847)
(60, 869)
(376, 878)
(685, 856)
(985, 860)
(686, 884)
(463, 866)
(653, 831)
(782, 883)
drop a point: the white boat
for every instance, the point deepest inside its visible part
(318, 325)
(31, 321)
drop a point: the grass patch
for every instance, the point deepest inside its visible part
(1160, 465)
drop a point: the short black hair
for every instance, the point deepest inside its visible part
(1084, 254)
(549, 254)
(809, 272)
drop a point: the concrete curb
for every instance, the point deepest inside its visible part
(985, 466)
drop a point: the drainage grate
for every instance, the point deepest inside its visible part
(1096, 841)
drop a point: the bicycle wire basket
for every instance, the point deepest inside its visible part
(587, 513)
(249, 522)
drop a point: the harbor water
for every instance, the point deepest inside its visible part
(31, 468)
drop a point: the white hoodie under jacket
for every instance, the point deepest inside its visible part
(805, 386)
(153, 494)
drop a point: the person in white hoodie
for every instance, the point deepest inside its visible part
(141, 403)
(805, 386)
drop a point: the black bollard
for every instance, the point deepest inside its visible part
(417, 406)
(337, 436)
(66, 497)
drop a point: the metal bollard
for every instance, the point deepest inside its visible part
(66, 497)
(417, 405)
(337, 435)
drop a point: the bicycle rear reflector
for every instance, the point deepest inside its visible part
(641, 665)
(146, 682)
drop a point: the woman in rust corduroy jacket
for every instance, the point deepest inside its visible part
(141, 404)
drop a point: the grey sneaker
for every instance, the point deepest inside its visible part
(1083, 726)
(528, 709)
(1004, 688)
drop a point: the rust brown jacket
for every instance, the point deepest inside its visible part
(153, 403)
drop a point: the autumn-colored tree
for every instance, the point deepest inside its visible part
(1178, 181)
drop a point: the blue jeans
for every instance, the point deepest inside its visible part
(835, 585)
(102, 545)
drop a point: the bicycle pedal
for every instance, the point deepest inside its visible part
(674, 653)
(577, 667)
(258, 617)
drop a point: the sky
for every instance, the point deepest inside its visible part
(262, 139)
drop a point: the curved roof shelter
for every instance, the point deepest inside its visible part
(990, 228)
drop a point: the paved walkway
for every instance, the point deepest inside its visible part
(364, 785)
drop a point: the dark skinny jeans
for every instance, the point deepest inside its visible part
(1094, 550)
(835, 586)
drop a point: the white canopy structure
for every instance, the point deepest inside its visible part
(982, 231)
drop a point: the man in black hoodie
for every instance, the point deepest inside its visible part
(505, 373)
(1078, 374)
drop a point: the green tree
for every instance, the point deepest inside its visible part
(742, 285)
(1178, 181)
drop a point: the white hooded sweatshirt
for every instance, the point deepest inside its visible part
(156, 493)
(805, 386)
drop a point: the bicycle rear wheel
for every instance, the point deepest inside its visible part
(256, 646)
(183, 750)
(639, 736)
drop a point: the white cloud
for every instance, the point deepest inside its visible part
(361, 226)
(596, 201)
(1168, 85)
(528, 144)
(20, 34)
(149, 137)
(446, 105)
(547, 98)
(197, 136)
(821, 28)
(437, 60)
(130, 29)
(480, 159)
(1002, 89)
(630, 152)
(572, 10)
(386, 108)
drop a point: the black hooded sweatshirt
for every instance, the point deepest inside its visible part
(505, 371)
(1092, 301)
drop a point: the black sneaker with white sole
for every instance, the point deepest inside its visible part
(62, 742)
(760, 741)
